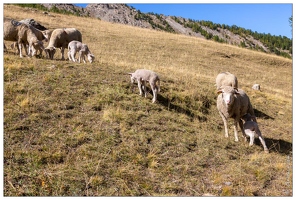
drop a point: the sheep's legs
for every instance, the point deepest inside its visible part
(241, 125)
(20, 49)
(261, 140)
(263, 143)
(235, 131)
(73, 55)
(144, 88)
(69, 55)
(225, 124)
(140, 87)
(79, 58)
(154, 90)
(252, 136)
(83, 58)
(62, 52)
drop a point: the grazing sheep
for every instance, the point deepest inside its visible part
(83, 50)
(41, 35)
(142, 76)
(233, 103)
(23, 35)
(60, 38)
(251, 128)
(256, 87)
(227, 79)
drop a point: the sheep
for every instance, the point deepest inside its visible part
(226, 78)
(251, 128)
(142, 76)
(40, 31)
(83, 50)
(23, 34)
(234, 103)
(60, 38)
(256, 87)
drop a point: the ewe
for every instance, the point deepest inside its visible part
(233, 103)
(142, 76)
(60, 38)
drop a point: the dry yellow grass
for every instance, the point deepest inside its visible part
(82, 129)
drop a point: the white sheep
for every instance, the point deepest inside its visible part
(256, 87)
(251, 129)
(83, 50)
(23, 34)
(226, 79)
(142, 76)
(234, 103)
(40, 31)
(60, 38)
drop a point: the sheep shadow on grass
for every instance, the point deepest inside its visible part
(169, 105)
(260, 114)
(278, 146)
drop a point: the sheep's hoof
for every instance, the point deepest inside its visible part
(236, 140)
(266, 151)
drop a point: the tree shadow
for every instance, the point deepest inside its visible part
(278, 146)
(260, 114)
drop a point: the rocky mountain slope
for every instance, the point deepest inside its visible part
(122, 13)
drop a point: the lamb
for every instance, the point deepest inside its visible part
(251, 128)
(142, 76)
(226, 78)
(60, 38)
(234, 103)
(40, 31)
(23, 34)
(83, 50)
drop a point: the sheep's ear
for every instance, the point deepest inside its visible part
(253, 117)
(219, 91)
(236, 91)
(130, 74)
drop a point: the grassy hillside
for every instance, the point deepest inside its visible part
(75, 129)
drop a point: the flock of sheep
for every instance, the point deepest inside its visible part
(231, 102)
(31, 38)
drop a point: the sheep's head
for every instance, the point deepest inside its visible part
(50, 51)
(133, 79)
(46, 34)
(228, 94)
(247, 117)
(90, 58)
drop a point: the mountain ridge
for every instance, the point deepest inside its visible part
(233, 35)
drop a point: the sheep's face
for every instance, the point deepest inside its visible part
(90, 58)
(47, 35)
(133, 79)
(228, 98)
(228, 94)
(50, 52)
